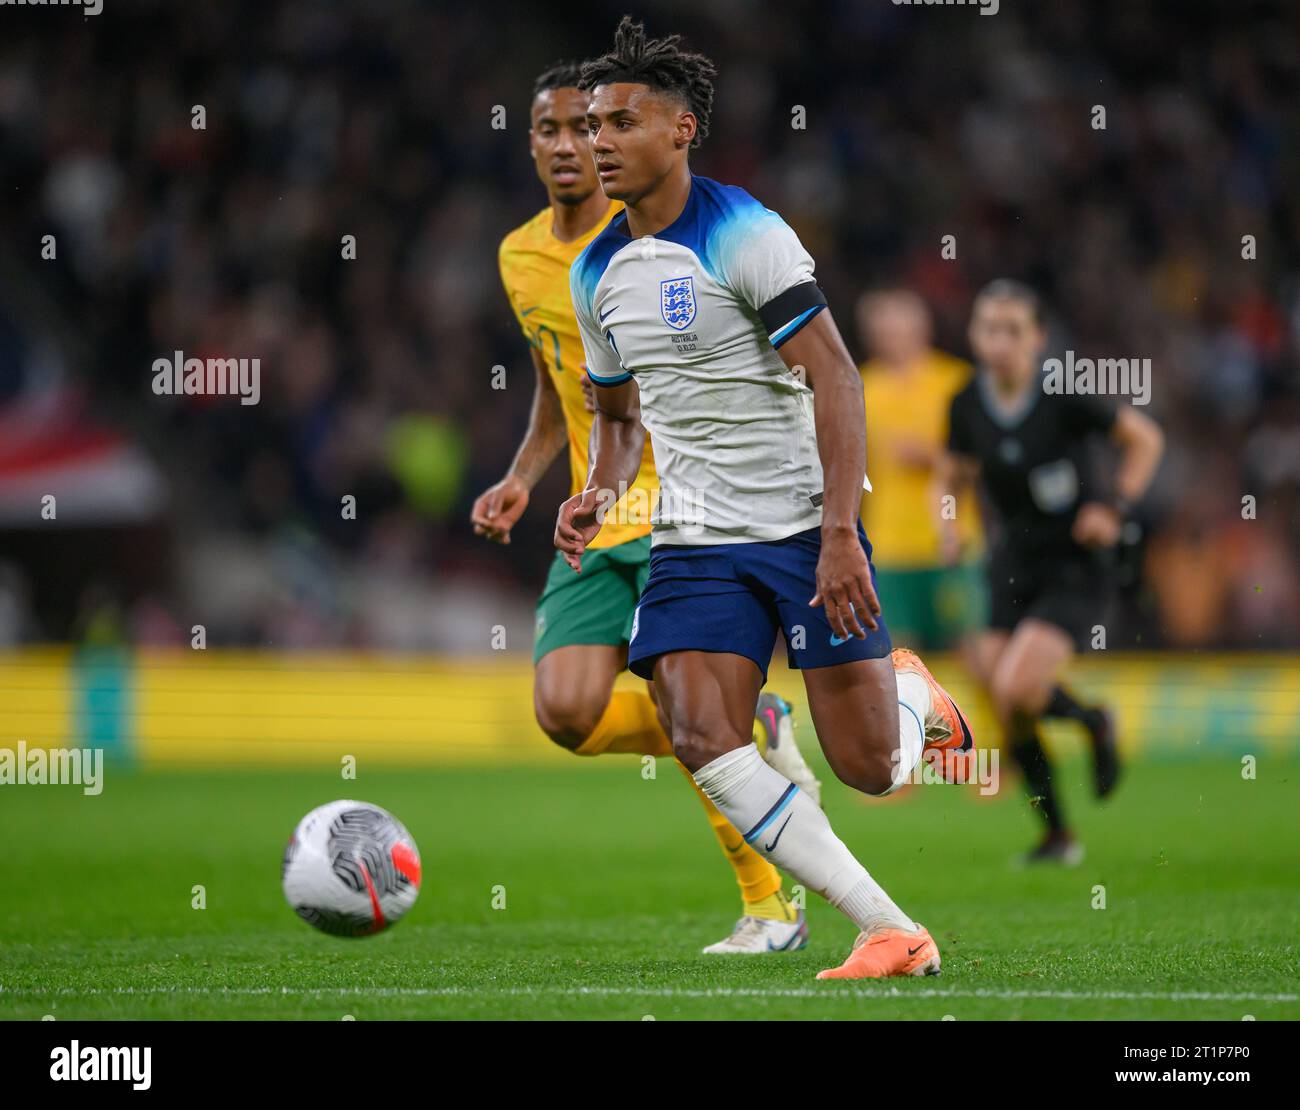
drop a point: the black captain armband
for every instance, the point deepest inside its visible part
(785, 315)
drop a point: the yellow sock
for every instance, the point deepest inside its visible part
(758, 879)
(629, 724)
(775, 907)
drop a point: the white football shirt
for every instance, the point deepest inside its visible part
(694, 314)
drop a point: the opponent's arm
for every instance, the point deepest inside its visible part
(1141, 444)
(617, 441)
(843, 576)
(499, 507)
(953, 476)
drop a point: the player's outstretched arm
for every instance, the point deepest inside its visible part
(817, 353)
(499, 507)
(617, 441)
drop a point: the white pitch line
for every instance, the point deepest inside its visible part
(860, 993)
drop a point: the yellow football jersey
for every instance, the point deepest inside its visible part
(535, 272)
(903, 410)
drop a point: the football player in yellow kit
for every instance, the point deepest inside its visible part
(584, 621)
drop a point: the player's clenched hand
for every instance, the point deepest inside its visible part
(588, 390)
(844, 586)
(576, 526)
(497, 509)
(1096, 525)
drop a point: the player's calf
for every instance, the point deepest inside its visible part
(1025, 674)
(1015, 693)
(573, 690)
(857, 713)
(868, 768)
(709, 700)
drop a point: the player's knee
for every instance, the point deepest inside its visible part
(697, 747)
(1012, 693)
(566, 719)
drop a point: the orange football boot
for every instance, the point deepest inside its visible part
(886, 953)
(946, 727)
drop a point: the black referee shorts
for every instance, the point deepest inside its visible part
(1073, 592)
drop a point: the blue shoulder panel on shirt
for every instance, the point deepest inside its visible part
(715, 223)
(590, 265)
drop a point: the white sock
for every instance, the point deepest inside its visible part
(913, 705)
(781, 822)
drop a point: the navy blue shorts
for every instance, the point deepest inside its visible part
(733, 597)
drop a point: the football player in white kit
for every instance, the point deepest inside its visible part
(701, 321)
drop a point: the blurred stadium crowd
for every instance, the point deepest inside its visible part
(376, 120)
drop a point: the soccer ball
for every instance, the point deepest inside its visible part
(351, 869)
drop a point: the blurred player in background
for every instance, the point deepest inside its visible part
(698, 308)
(1050, 572)
(908, 385)
(584, 620)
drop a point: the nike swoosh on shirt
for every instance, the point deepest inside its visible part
(914, 951)
(604, 314)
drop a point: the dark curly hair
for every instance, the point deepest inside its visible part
(561, 75)
(662, 65)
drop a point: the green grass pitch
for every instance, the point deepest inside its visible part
(612, 885)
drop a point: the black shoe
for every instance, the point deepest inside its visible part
(1105, 752)
(1059, 848)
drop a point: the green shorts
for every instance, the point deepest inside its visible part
(596, 606)
(932, 607)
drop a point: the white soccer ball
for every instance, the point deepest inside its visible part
(351, 869)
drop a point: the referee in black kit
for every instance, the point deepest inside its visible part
(1053, 533)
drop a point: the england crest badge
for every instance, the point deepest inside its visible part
(677, 302)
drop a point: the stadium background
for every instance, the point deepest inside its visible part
(376, 120)
(372, 638)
